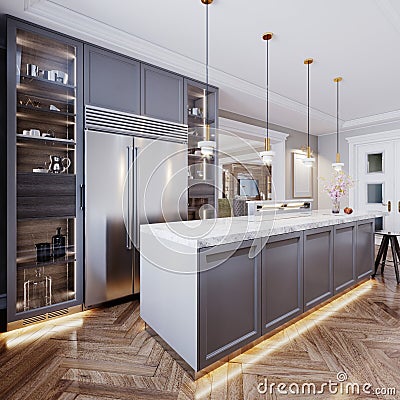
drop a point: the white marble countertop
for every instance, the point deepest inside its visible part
(212, 232)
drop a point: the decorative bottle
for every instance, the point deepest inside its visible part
(58, 243)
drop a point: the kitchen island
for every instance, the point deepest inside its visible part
(211, 287)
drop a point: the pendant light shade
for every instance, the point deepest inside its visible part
(309, 160)
(267, 155)
(207, 146)
(337, 166)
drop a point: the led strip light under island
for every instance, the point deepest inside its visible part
(213, 288)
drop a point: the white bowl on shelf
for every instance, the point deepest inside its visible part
(40, 170)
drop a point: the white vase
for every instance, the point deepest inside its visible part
(336, 206)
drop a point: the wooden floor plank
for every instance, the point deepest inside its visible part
(108, 366)
(106, 353)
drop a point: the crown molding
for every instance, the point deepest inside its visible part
(374, 137)
(373, 119)
(94, 31)
(99, 33)
(364, 123)
(249, 131)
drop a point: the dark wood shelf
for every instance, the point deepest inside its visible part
(200, 119)
(46, 82)
(64, 101)
(46, 139)
(36, 117)
(41, 195)
(32, 263)
(36, 184)
(37, 92)
(200, 181)
(44, 110)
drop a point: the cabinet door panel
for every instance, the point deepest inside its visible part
(365, 248)
(229, 301)
(112, 81)
(162, 94)
(318, 276)
(282, 280)
(37, 204)
(344, 256)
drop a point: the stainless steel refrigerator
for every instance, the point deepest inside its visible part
(129, 181)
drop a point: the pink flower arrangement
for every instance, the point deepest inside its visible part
(339, 185)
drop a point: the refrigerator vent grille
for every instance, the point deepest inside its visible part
(111, 121)
(59, 313)
(34, 320)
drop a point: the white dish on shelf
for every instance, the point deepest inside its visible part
(40, 170)
(68, 141)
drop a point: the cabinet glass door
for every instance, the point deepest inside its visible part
(45, 171)
(201, 169)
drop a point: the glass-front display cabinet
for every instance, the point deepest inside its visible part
(44, 174)
(202, 194)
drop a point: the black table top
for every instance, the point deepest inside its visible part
(388, 233)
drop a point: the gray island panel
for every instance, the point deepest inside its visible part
(209, 301)
(318, 272)
(282, 280)
(229, 300)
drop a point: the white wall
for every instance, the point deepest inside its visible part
(296, 141)
(327, 155)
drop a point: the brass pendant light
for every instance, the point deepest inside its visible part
(309, 160)
(267, 155)
(207, 146)
(337, 166)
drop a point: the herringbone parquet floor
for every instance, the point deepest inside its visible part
(106, 354)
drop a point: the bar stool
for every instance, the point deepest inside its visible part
(388, 237)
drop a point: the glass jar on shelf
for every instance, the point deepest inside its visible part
(37, 291)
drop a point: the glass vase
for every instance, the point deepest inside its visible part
(335, 206)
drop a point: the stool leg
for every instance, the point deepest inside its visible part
(384, 256)
(384, 242)
(397, 252)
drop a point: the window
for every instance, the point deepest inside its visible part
(374, 193)
(375, 163)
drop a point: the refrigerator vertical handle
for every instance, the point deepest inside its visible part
(135, 206)
(128, 208)
(82, 196)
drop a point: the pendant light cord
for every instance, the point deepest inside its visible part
(267, 90)
(337, 117)
(207, 84)
(308, 105)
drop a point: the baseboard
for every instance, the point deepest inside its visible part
(22, 323)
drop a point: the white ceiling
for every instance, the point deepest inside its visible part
(356, 39)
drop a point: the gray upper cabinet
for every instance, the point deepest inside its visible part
(282, 280)
(318, 271)
(365, 248)
(162, 94)
(111, 80)
(229, 300)
(344, 256)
